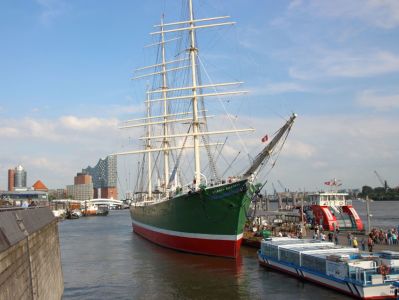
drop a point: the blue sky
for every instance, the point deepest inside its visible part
(66, 66)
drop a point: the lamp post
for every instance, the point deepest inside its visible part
(368, 214)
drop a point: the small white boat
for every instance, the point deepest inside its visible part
(360, 275)
(59, 213)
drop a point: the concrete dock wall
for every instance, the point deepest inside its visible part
(30, 259)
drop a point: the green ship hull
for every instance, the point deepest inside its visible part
(209, 221)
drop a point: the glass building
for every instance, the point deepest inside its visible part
(20, 177)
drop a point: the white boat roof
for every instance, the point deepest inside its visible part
(328, 194)
(323, 253)
(310, 246)
(280, 241)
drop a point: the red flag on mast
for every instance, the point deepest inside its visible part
(265, 138)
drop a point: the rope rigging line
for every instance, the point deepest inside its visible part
(225, 110)
(172, 176)
(278, 152)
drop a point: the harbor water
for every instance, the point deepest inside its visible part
(103, 259)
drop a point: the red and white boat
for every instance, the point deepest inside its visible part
(332, 210)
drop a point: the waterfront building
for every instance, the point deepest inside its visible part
(20, 177)
(57, 193)
(80, 192)
(17, 179)
(82, 189)
(39, 186)
(17, 197)
(11, 174)
(104, 176)
(82, 178)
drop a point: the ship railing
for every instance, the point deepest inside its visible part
(363, 277)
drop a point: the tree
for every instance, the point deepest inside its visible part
(367, 190)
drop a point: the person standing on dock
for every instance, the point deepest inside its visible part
(363, 243)
(354, 242)
(336, 238)
(370, 243)
(349, 236)
(330, 236)
(389, 237)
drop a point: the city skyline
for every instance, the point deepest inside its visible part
(336, 64)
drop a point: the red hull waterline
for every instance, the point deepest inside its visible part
(213, 247)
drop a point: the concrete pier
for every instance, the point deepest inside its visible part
(30, 259)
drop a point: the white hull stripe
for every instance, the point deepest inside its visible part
(223, 237)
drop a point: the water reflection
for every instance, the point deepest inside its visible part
(103, 259)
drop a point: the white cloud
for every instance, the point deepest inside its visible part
(342, 64)
(277, 88)
(295, 3)
(54, 150)
(379, 13)
(378, 100)
(9, 132)
(42, 163)
(348, 147)
(319, 147)
(86, 124)
(126, 109)
(295, 148)
(51, 9)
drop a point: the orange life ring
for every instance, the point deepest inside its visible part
(384, 270)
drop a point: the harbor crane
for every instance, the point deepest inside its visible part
(382, 181)
(282, 186)
(274, 189)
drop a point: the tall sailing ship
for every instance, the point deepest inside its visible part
(176, 204)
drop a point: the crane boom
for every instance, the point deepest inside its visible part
(269, 148)
(382, 181)
(282, 186)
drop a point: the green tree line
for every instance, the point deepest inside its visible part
(379, 193)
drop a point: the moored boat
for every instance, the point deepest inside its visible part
(207, 214)
(360, 275)
(73, 214)
(333, 211)
(89, 209)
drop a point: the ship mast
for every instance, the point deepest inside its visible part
(165, 111)
(164, 95)
(148, 147)
(193, 52)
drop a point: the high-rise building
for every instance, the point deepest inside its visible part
(17, 178)
(82, 189)
(11, 174)
(104, 176)
(80, 192)
(20, 177)
(82, 178)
